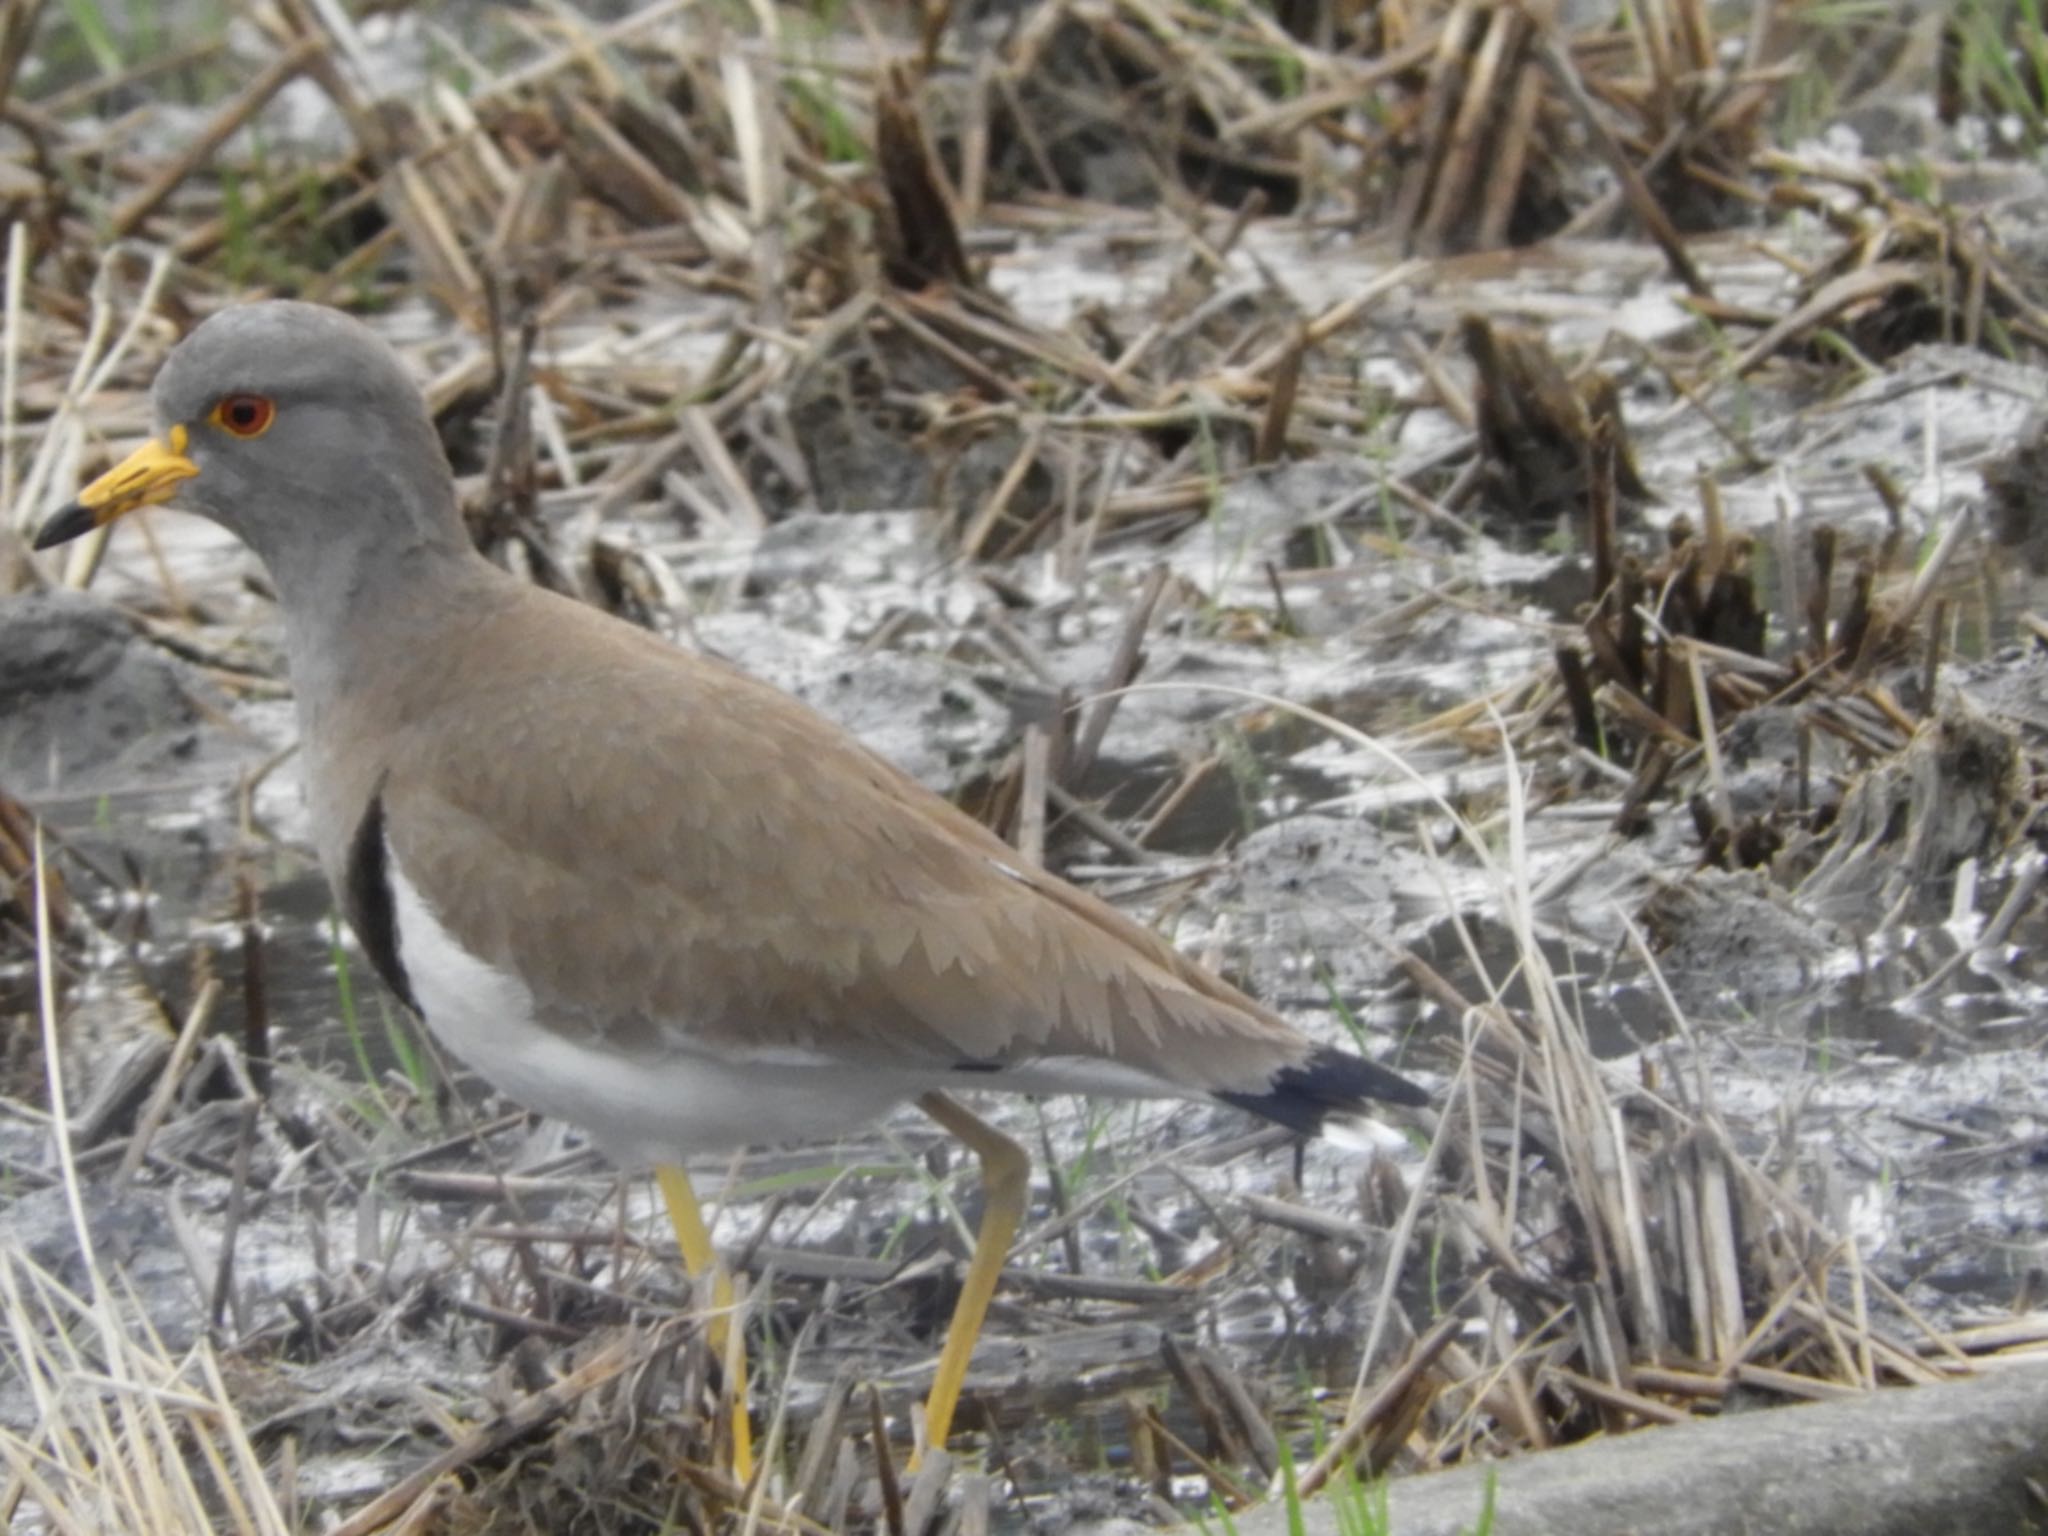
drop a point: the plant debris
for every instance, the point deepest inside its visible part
(1585, 668)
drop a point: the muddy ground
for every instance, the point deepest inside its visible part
(1805, 957)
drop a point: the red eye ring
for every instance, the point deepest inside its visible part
(244, 415)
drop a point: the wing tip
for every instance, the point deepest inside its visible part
(1328, 1094)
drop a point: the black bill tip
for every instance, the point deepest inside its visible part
(65, 525)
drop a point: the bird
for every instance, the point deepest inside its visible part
(635, 887)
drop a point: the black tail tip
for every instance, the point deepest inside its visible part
(1330, 1082)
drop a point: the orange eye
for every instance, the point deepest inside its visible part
(244, 415)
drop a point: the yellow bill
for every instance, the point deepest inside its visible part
(146, 478)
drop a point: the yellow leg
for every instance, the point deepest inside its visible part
(694, 1238)
(1005, 1180)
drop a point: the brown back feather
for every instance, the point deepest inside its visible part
(653, 840)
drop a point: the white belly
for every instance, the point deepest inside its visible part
(639, 1108)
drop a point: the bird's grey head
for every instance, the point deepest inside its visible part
(294, 427)
(293, 412)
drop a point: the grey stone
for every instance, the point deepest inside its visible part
(86, 702)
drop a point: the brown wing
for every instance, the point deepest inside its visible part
(688, 848)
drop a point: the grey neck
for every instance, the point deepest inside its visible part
(356, 608)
